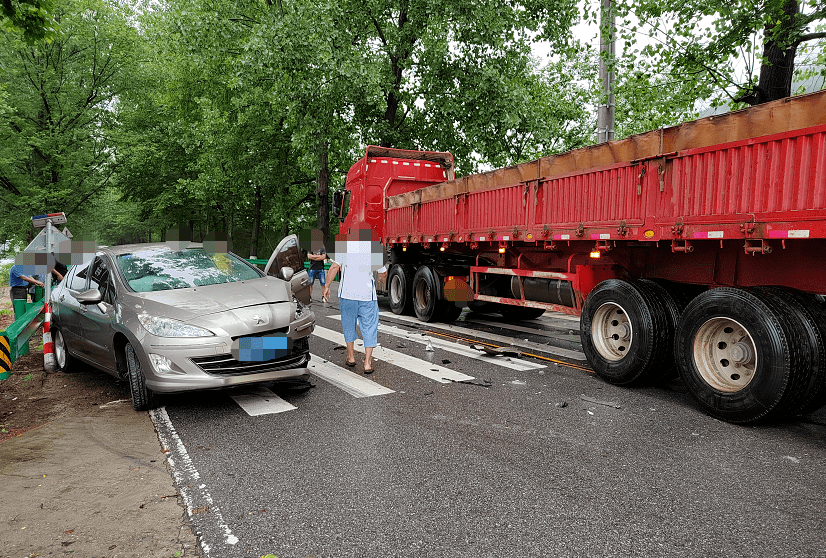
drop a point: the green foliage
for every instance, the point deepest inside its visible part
(4, 274)
(32, 19)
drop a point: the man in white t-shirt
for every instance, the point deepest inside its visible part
(357, 257)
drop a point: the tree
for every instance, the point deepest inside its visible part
(32, 18)
(55, 151)
(707, 43)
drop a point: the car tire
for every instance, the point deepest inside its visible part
(142, 398)
(425, 294)
(624, 332)
(399, 283)
(756, 332)
(65, 362)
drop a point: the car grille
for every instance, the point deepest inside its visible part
(225, 365)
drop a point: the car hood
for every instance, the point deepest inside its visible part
(189, 304)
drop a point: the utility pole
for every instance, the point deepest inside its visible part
(605, 113)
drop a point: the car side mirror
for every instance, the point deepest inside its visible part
(287, 273)
(337, 203)
(92, 296)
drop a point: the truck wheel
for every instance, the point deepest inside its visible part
(738, 353)
(65, 361)
(425, 294)
(674, 301)
(399, 283)
(450, 311)
(625, 332)
(811, 319)
(142, 398)
(520, 312)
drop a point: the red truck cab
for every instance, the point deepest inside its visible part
(384, 172)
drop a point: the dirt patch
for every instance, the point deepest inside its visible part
(31, 397)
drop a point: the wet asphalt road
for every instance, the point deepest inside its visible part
(524, 467)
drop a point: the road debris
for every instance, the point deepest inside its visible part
(474, 382)
(519, 382)
(498, 351)
(598, 402)
(562, 404)
(429, 346)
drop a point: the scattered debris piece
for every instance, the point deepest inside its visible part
(590, 412)
(428, 393)
(339, 348)
(498, 351)
(445, 361)
(792, 459)
(113, 403)
(475, 382)
(401, 346)
(429, 346)
(598, 402)
(519, 383)
(562, 404)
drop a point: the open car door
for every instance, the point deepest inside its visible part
(286, 263)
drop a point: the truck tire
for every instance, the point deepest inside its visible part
(812, 325)
(450, 311)
(520, 312)
(739, 354)
(65, 362)
(425, 294)
(674, 301)
(625, 332)
(142, 398)
(399, 283)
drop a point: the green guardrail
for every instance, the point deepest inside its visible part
(14, 340)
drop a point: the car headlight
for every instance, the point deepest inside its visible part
(167, 327)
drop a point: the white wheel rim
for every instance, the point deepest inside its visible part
(59, 349)
(725, 354)
(395, 289)
(611, 331)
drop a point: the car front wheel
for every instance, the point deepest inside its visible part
(142, 398)
(65, 361)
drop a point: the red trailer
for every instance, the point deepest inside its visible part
(698, 248)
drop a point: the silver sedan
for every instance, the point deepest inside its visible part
(170, 319)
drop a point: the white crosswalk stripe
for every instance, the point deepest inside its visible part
(454, 348)
(355, 385)
(417, 366)
(257, 401)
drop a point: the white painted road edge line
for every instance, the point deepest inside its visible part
(257, 401)
(416, 365)
(188, 482)
(455, 348)
(352, 383)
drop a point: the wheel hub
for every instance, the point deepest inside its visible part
(611, 331)
(725, 354)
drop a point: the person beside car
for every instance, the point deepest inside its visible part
(317, 258)
(357, 298)
(20, 283)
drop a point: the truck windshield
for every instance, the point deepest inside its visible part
(162, 270)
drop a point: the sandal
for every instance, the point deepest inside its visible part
(351, 364)
(368, 370)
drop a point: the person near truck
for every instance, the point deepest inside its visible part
(20, 282)
(317, 258)
(356, 256)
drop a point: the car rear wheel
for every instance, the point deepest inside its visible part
(142, 398)
(65, 361)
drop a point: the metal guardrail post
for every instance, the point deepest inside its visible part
(14, 340)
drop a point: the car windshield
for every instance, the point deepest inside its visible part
(162, 270)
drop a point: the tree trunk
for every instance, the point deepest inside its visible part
(778, 65)
(256, 222)
(323, 192)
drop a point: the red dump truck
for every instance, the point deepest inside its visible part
(699, 249)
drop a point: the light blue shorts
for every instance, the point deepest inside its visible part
(367, 313)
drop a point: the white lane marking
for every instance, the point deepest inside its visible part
(413, 364)
(187, 479)
(355, 385)
(455, 348)
(503, 339)
(259, 401)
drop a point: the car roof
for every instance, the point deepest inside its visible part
(132, 248)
